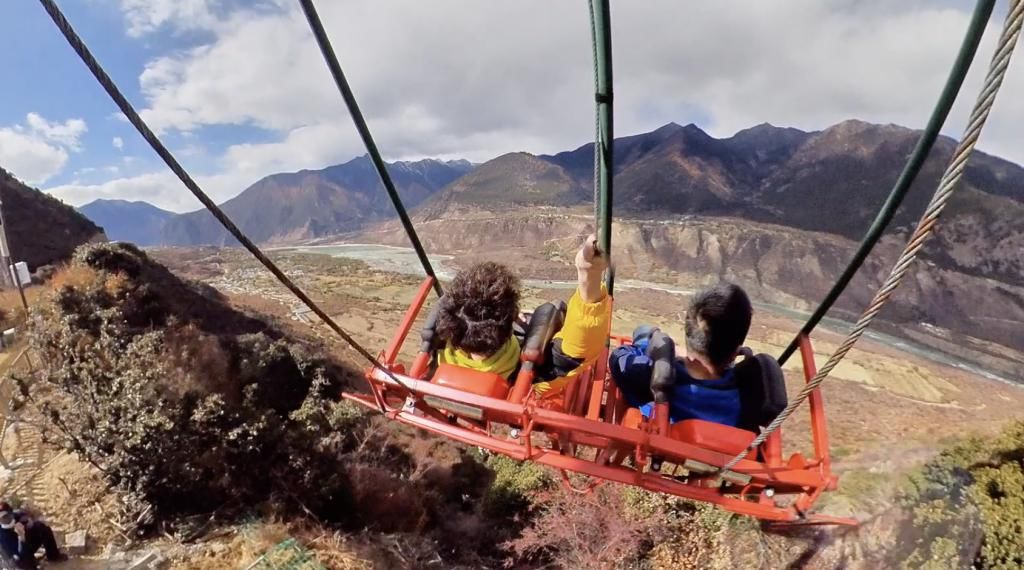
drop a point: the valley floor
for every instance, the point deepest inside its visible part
(889, 411)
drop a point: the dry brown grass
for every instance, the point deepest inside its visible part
(72, 276)
(330, 549)
(75, 497)
(12, 310)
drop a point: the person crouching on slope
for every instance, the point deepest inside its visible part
(717, 322)
(480, 307)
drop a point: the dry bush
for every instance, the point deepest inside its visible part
(386, 503)
(591, 531)
(625, 527)
(72, 276)
(180, 400)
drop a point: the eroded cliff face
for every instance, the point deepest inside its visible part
(777, 265)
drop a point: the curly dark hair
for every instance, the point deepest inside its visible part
(479, 308)
(717, 322)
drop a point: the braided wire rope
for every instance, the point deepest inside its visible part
(947, 184)
(140, 125)
(597, 119)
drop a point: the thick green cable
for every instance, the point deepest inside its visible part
(364, 132)
(602, 36)
(976, 29)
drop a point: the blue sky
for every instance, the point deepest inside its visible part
(50, 82)
(238, 91)
(44, 78)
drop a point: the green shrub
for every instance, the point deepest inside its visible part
(514, 485)
(968, 506)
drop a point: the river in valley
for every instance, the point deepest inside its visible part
(404, 260)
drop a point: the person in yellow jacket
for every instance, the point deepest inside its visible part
(481, 305)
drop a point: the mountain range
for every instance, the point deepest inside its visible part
(307, 204)
(831, 181)
(779, 209)
(138, 222)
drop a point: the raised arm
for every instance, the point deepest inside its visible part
(585, 332)
(590, 266)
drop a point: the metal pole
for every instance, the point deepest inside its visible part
(5, 255)
(606, 140)
(5, 250)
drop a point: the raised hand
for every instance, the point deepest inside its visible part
(589, 258)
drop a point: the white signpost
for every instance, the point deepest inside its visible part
(20, 274)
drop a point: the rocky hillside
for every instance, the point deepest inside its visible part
(42, 230)
(516, 179)
(313, 203)
(783, 266)
(140, 223)
(779, 210)
(832, 181)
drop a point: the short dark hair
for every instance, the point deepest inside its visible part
(479, 308)
(717, 322)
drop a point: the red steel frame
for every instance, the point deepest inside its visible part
(583, 435)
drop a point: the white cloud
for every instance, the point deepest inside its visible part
(66, 134)
(454, 78)
(145, 16)
(239, 167)
(38, 150)
(158, 188)
(501, 78)
(227, 82)
(28, 157)
(118, 143)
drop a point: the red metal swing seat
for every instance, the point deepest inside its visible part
(708, 435)
(585, 428)
(471, 381)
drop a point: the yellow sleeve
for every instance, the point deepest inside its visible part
(586, 327)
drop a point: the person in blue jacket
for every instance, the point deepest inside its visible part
(716, 323)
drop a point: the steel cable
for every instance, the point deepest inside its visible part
(133, 117)
(957, 73)
(597, 120)
(334, 66)
(947, 184)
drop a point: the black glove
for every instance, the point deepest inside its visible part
(642, 336)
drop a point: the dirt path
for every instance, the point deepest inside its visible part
(28, 459)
